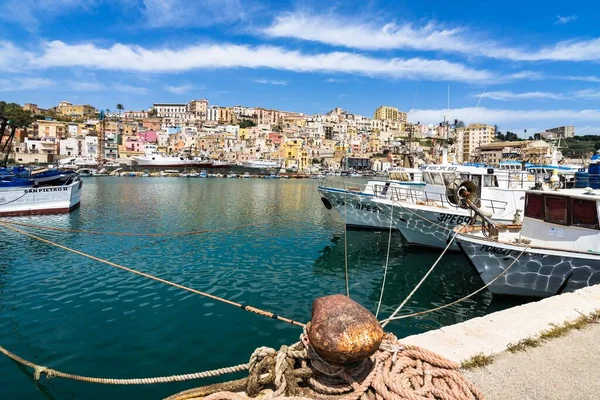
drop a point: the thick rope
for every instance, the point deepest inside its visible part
(52, 373)
(395, 371)
(346, 243)
(387, 320)
(387, 261)
(166, 282)
(89, 232)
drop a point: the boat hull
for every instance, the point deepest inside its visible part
(535, 273)
(426, 228)
(361, 211)
(41, 200)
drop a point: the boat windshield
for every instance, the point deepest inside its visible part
(562, 210)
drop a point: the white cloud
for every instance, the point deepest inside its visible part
(505, 95)
(12, 58)
(505, 117)
(180, 89)
(22, 84)
(271, 82)
(131, 89)
(368, 36)
(588, 78)
(340, 31)
(29, 12)
(86, 86)
(560, 20)
(197, 13)
(136, 58)
(335, 80)
(588, 94)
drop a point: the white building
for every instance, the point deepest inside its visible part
(172, 114)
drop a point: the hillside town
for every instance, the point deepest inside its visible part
(236, 135)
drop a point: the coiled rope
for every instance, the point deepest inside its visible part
(395, 371)
(255, 310)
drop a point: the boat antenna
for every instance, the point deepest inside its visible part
(415, 98)
(477, 106)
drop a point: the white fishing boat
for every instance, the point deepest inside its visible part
(556, 249)
(162, 161)
(30, 198)
(260, 163)
(354, 202)
(75, 163)
(427, 217)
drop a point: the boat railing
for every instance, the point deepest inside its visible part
(435, 199)
(343, 185)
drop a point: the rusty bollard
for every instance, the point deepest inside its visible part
(342, 331)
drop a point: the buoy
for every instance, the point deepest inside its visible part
(342, 331)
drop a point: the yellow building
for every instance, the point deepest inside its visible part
(226, 115)
(68, 109)
(54, 129)
(471, 137)
(295, 155)
(384, 113)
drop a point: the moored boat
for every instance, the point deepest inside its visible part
(556, 249)
(355, 203)
(426, 217)
(28, 197)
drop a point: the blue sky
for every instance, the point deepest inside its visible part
(530, 65)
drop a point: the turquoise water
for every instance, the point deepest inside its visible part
(276, 247)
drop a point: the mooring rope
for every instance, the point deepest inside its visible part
(52, 373)
(346, 242)
(90, 232)
(387, 260)
(395, 371)
(166, 282)
(389, 319)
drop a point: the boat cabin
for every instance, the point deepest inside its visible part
(567, 216)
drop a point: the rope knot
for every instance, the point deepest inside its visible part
(38, 370)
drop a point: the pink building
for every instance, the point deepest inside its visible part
(276, 138)
(147, 136)
(132, 144)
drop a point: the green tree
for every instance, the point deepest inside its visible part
(15, 114)
(152, 113)
(120, 108)
(500, 137)
(246, 123)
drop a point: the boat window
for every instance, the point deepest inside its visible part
(533, 206)
(490, 181)
(427, 178)
(437, 179)
(556, 209)
(465, 177)
(448, 178)
(585, 214)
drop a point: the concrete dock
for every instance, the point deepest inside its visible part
(560, 368)
(567, 367)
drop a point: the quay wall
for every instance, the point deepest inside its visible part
(491, 334)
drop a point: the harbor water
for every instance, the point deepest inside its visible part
(266, 243)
